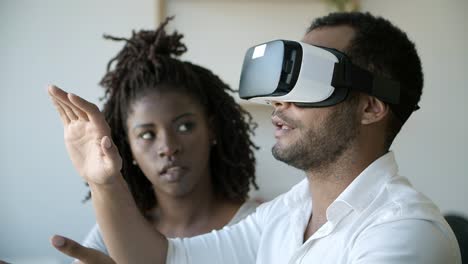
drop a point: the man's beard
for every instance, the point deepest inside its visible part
(318, 148)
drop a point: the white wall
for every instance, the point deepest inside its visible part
(60, 42)
(42, 42)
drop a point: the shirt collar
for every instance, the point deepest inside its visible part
(358, 195)
(367, 185)
(298, 195)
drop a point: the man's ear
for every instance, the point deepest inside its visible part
(373, 110)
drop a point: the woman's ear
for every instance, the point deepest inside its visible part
(374, 110)
(212, 131)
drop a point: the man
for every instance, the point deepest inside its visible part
(352, 208)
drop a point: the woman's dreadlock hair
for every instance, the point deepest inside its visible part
(147, 63)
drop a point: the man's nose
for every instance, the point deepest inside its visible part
(280, 104)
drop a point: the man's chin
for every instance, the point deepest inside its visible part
(279, 152)
(289, 156)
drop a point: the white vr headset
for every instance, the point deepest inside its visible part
(307, 75)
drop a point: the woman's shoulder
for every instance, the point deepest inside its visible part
(246, 209)
(279, 206)
(94, 240)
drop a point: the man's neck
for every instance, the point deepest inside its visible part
(327, 183)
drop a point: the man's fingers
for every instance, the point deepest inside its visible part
(71, 110)
(69, 247)
(78, 106)
(75, 250)
(68, 111)
(109, 148)
(89, 108)
(78, 109)
(56, 92)
(61, 111)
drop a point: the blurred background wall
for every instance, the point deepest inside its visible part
(60, 42)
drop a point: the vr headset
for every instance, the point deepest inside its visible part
(307, 75)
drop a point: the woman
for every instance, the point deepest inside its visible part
(185, 143)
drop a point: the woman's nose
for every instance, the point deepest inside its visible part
(168, 146)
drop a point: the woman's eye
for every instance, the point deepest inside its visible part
(185, 127)
(147, 135)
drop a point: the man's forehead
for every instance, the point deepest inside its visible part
(337, 37)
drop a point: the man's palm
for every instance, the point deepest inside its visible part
(87, 138)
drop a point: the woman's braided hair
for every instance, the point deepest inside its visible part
(147, 63)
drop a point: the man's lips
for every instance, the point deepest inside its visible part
(282, 127)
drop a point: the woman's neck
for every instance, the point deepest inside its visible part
(193, 214)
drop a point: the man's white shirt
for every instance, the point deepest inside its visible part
(378, 218)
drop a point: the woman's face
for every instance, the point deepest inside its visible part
(170, 140)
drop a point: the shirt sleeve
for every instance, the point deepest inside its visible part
(236, 244)
(412, 241)
(94, 240)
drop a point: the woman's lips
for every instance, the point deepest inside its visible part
(172, 174)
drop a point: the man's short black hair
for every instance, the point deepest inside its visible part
(383, 49)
